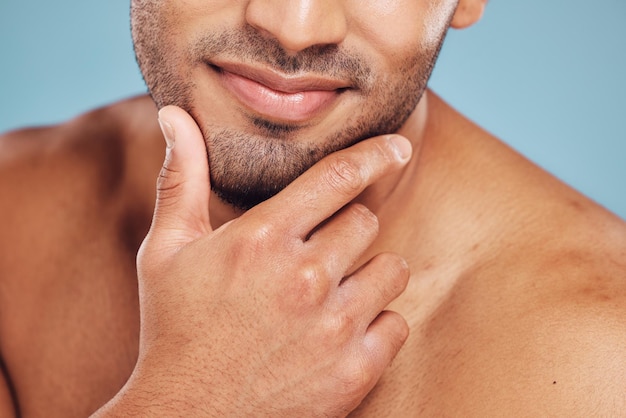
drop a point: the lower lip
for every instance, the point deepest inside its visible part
(288, 107)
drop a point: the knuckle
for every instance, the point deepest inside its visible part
(246, 244)
(358, 376)
(340, 325)
(312, 285)
(343, 176)
(255, 237)
(169, 186)
(365, 217)
(400, 330)
(151, 258)
(167, 178)
(389, 343)
(143, 260)
(398, 274)
(261, 233)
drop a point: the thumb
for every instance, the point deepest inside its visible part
(181, 213)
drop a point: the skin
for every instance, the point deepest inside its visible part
(515, 300)
(383, 74)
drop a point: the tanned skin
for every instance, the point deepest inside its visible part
(515, 301)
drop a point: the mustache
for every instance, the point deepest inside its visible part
(248, 46)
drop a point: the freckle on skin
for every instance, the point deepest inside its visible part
(576, 205)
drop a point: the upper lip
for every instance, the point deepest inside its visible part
(283, 83)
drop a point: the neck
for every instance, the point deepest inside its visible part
(395, 187)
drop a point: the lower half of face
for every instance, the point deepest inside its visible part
(266, 115)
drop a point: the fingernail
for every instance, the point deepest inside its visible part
(402, 147)
(168, 133)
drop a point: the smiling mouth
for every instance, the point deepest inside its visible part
(279, 98)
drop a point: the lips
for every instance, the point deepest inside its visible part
(277, 97)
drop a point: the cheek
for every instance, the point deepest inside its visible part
(202, 15)
(437, 21)
(395, 28)
(181, 21)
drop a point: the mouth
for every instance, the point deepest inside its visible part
(280, 98)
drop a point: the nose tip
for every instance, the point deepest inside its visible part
(298, 25)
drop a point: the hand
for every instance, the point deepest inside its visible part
(257, 317)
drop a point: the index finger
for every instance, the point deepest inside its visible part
(334, 181)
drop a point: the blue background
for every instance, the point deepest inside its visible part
(547, 76)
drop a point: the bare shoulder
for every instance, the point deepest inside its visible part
(547, 328)
(66, 184)
(570, 335)
(59, 171)
(76, 201)
(534, 325)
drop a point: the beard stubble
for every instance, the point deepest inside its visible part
(249, 165)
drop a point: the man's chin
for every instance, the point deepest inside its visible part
(244, 198)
